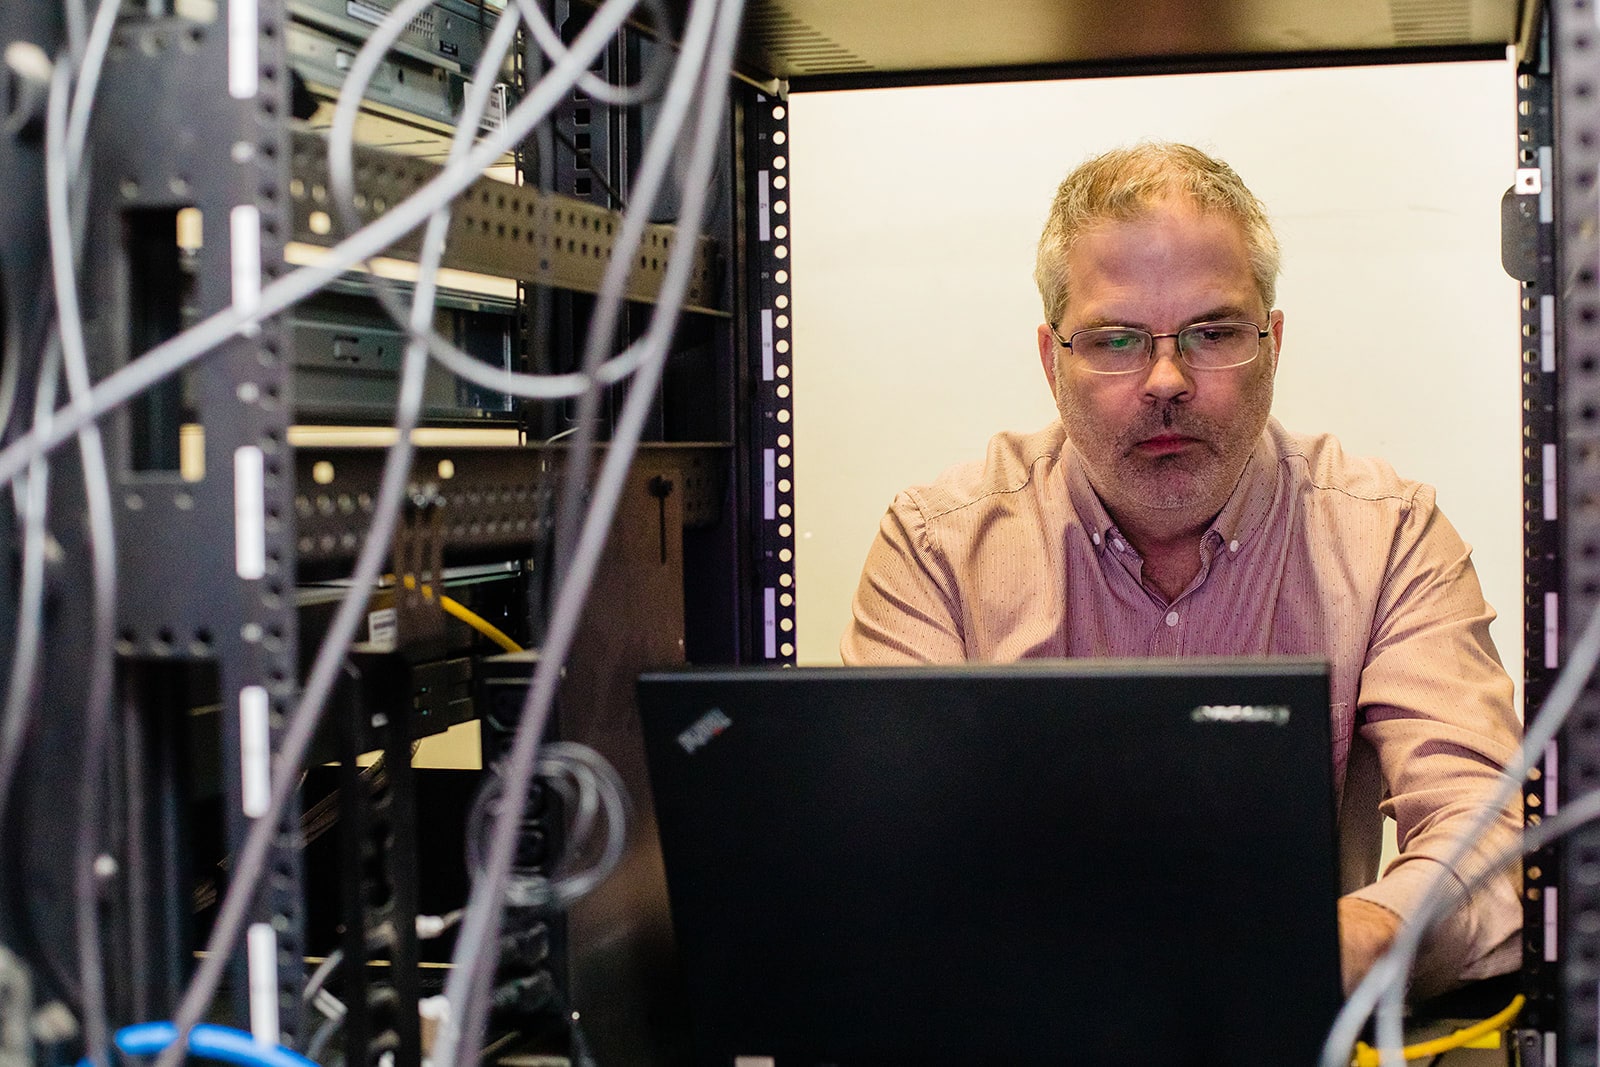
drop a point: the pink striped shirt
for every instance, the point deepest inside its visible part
(1316, 553)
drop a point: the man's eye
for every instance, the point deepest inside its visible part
(1214, 335)
(1121, 342)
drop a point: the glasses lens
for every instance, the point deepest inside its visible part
(1112, 349)
(1220, 344)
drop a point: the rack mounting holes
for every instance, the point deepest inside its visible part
(782, 277)
(249, 392)
(779, 137)
(779, 163)
(243, 151)
(779, 112)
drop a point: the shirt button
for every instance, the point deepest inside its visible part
(1233, 546)
(1095, 538)
(1172, 618)
(1118, 545)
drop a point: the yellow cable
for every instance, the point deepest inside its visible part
(1367, 1056)
(460, 611)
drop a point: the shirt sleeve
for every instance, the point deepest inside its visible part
(1436, 706)
(906, 609)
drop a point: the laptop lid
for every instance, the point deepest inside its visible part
(1055, 861)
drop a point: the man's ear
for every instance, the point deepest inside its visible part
(1275, 324)
(1047, 355)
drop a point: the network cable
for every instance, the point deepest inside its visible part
(171, 356)
(306, 716)
(341, 182)
(60, 171)
(607, 312)
(466, 988)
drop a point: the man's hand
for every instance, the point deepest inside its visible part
(1365, 931)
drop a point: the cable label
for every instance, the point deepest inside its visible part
(249, 512)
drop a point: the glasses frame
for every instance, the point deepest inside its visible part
(1150, 352)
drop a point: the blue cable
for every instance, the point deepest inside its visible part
(221, 1043)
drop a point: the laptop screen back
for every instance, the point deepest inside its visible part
(1069, 861)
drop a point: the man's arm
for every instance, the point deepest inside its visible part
(1436, 706)
(905, 609)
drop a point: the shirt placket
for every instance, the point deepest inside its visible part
(1169, 636)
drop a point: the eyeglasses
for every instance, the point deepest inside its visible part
(1127, 349)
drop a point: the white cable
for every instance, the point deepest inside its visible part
(33, 504)
(1388, 975)
(102, 547)
(308, 710)
(608, 305)
(466, 988)
(173, 355)
(89, 71)
(341, 181)
(549, 42)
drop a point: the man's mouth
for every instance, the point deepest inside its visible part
(1164, 444)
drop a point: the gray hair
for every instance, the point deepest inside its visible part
(1123, 184)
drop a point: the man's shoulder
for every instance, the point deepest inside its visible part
(1321, 466)
(1012, 463)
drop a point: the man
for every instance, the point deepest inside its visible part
(1168, 514)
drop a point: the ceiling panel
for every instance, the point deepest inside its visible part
(889, 41)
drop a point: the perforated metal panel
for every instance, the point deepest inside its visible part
(1576, 62)
(208, 557)
(1529, 254)
(772, 427)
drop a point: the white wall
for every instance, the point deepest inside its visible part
(914, 215)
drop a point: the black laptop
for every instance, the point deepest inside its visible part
(1088, 862)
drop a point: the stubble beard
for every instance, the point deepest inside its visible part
(1199, 479)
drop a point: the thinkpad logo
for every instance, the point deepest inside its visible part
(706, 727)
(1274, 714)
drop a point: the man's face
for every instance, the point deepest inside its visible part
(1163, 446)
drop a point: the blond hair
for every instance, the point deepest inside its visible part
(1123, 184)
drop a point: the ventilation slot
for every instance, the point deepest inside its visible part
(1431, 22)
(796, 48)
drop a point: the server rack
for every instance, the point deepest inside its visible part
(174, 638)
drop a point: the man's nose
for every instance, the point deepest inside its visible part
(1168, 376)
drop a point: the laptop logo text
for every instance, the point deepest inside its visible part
(701, 732)
(1275, 714)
